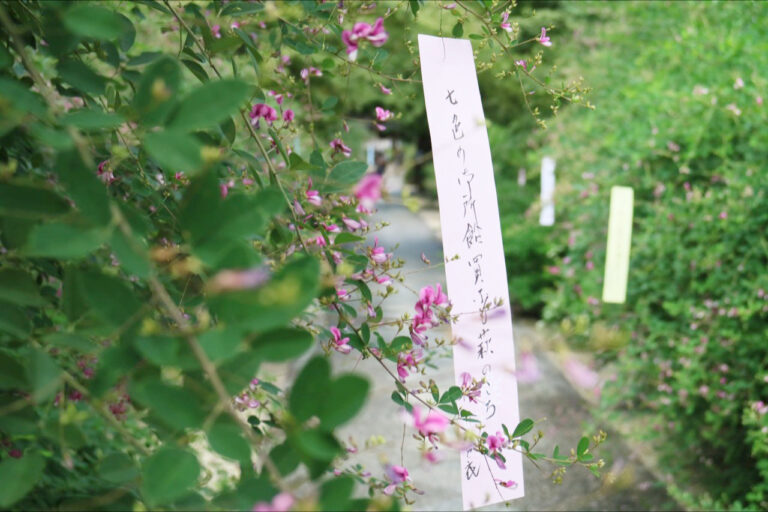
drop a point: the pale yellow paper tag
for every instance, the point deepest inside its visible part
(617, 248)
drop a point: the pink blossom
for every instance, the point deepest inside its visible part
(382, 114)
(310, 71)
(313, 196)
(262, 110)
(231, 280)
(378, 36)
(377, 253)
(338, 146)
(430, 424)
(338, 343)
(234, 25)
(342, 294)
(470, 387)
(450, 6)
(590, 265)
(581, 374)
(592, 301)
(543, 38)
(723, 215)
(368, 191)
(738, 84)
(509, 484)
(380, 127)
(371, 311)
(397, 474)
(320, 241)
(280, 503)
(333, 228)
(759, 100)
(522, 64)
(351, 224)
(431, 456)
(104, 172)
(703, 390)
(216, 31)
(506, 25)
(383, 279)
(495, 443)
(288, 115)
(375, 34)
(385, 90)
(406, 361)
(529, 368)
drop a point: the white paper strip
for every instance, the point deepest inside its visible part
(618, 245)
(469, 218)
(547, 216)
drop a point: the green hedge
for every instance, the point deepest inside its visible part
(680, 119)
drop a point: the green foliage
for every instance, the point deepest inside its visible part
(161, 255)
(680, 119)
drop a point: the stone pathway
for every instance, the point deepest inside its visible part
(628, 485)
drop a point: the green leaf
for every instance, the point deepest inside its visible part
(71, 341)
(344, 398)
(458, 29)
(175, 151)
(20, 98)
(132, 254)
(196, 69)
(63, 241)
(6, 59)
(117, 468)
(109, 297)
(82, 185)
(19, 476)
(221, 344)
(285, 458)
(57, 139)
(166, 351)
(168, 474)
(14, 320)
(82, 77)
(157, 90)
(210, 104)
(176, 407)
(11, 373)
(89, 20)
(335, 493)
(310, 389)
(451, 395)
(345, 238)
(227, 439)
(523, 428)
(43, 375)
(398, 398)
(92, 119)
(19, 287)
(282, 344)
(317, 444)
(348, 172)
(582, 447)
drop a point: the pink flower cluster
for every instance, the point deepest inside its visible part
(280, 503)
(376, 35)
(407, 361)
(338, 343)
(368, 192)
(429, 424)
(262, 110)
(425, 317)
(396, 475)
(338, 146)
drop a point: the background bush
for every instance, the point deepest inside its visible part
(681, 118)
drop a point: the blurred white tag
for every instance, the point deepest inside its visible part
(547, 216)
(618, 245)
(469, 219)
